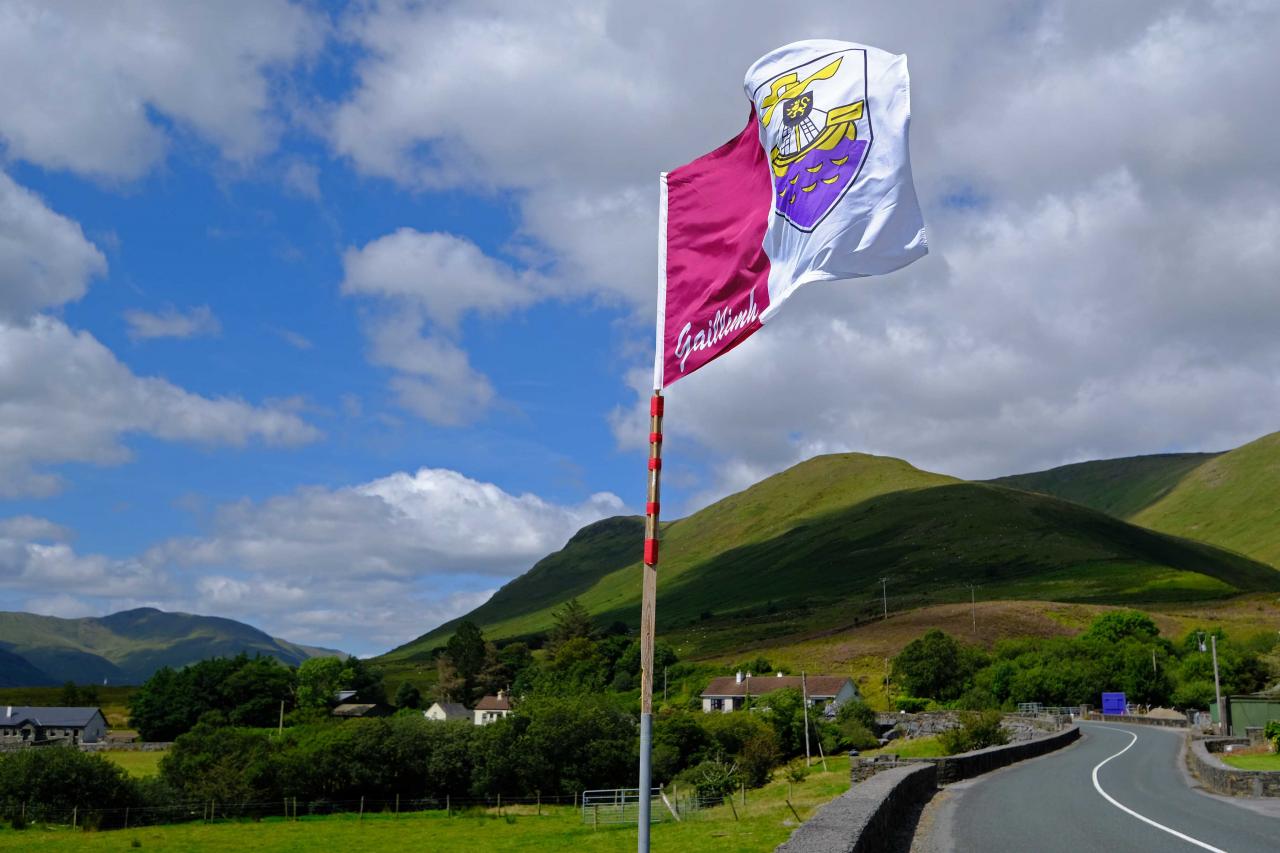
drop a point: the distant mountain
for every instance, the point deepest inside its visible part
(1232, 501)
(127, 647)
(17, 671)
(807, 548)
(1119, 487)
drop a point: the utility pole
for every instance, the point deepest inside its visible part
(884, 592)
(804, 699)
(280, 731)
(1217, 687)
(664, 684)
(973, 605)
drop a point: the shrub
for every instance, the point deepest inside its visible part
(1272, 733)
(854, 735)
(976, 731)
(911, 704)
(858, 711)
(52, 780)
(714, 778)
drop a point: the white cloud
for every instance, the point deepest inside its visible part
(45, 260)
(303, 179)
(32, 528)
(80, 82)
(169, 322)
(64, 397)
(1102, 186)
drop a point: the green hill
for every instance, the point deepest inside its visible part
(1119, 487)
(807, 547)
(127, 647)
(17, 671)
(1232, 501)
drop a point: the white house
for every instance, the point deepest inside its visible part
(445, 711)
(492, 708)
(731, 692)
(23, 725)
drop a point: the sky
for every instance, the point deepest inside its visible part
(333, 318)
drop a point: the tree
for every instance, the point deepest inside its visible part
(466, 650)
(319, 680)
(572, 622)
(408, 696)
(936, 666)
(1122, 624)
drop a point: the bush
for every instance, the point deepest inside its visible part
(911, 704)
(858, 711)
(976, 731)
(1272, 733)
(714, 778)
(53, 780)
(854, 735)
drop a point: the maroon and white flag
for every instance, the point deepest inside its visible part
(817, 187)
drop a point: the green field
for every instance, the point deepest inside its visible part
(804, 551)
(764, 822)
(1232, 501)
(136, 762)
(1269, 761)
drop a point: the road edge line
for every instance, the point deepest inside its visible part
(1160, 826)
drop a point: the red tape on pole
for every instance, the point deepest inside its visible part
(651, 508)
(655, 438)
(651, 552)
(655, 464)
(655, 405)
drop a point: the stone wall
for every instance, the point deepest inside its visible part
(1139, 721)
(865, 818)
(1221, 778)
(953, 768)
(136, 746)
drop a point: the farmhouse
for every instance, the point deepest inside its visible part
(731, 692)
(492, 708)
(26, 726)
(446, 711)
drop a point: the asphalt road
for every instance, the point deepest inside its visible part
(1053, 803)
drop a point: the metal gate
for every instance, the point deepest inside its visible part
(619, 805)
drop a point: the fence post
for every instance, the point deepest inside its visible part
(448, 806)
(362, 807)
(539, 804)
(397, 805)
(595, 816)
(295, 809)
(744, 795)
(126, 817)
(75, 810)
(499, 804)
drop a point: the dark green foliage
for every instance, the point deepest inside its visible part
(232, 765)
(78, 697)
(466, 650)
(239, 691)
(712, 778)
(679, 740)
(320, 679)
(408, 696)
(854, 735)
(1122, 625)
(568, 744)
(937, 666)
(910, 704)
(976, 731)
(857, 711)
(52, 780)
(571, 621)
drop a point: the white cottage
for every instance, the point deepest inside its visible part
(731, 692)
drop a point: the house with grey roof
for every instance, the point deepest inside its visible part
(733, 692)
(447, 711)
(23, 725)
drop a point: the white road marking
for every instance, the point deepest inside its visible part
(1143, 818)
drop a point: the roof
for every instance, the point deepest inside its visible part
(494, 703)
(452, 710)
(819, 686)
(354, 710)
(12, 715)
(343, 695)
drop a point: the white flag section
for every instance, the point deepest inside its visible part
(833, 122)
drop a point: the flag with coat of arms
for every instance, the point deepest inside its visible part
(817, 187)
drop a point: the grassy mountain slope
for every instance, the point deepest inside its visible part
(1119, 487)
(810, 544)
(17, 671)
(127, 647)
(1232, 501)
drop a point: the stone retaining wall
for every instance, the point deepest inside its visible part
(1139, 721)
(865, 818)
(1222, 778)
(136, 746)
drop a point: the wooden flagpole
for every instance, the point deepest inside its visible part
(648, 612)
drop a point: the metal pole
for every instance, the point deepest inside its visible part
(884, 591)
(648, 613)
(1217, 688)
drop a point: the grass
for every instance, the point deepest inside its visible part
(803, 552)
(764, 822)
(1265, 761)
(916, 747)
(1229, 501)
(137, 762)
(1119, 487)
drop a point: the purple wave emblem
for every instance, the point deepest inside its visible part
(814, 183)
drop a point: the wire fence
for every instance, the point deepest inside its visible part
(286, 808)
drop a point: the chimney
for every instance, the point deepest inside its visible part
(737, 679)
(501, 693)
(778, 673)
(748, 673)
(8, 712)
